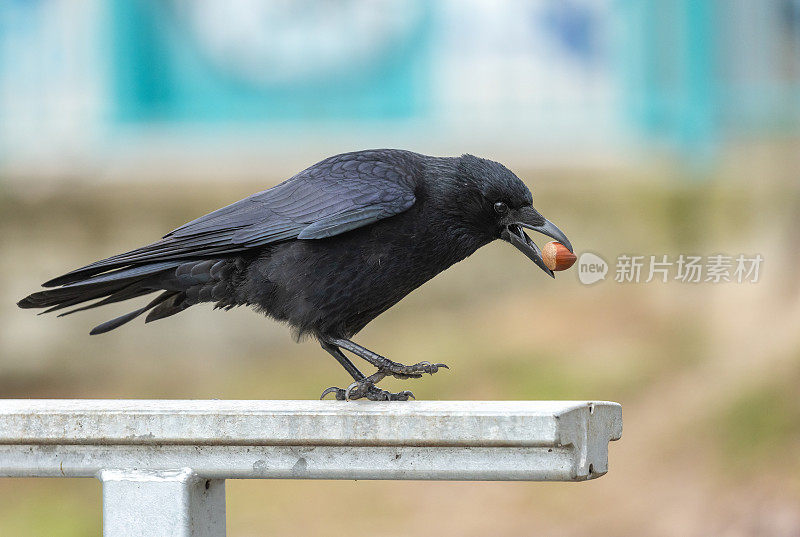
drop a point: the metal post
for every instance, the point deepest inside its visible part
(168, 503)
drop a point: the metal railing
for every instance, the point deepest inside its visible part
(163, 464)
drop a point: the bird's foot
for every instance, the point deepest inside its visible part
(366, 389)
(415, 371)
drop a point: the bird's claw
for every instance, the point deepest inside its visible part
(401, 371)
(368, 390)
(433, 368)
(332, 389)
(349, 390)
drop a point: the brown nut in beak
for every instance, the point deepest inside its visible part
(557, 257)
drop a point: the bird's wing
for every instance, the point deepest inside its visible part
(336, 195)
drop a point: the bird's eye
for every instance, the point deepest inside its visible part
(500, 207)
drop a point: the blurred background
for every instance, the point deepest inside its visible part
(642, 127)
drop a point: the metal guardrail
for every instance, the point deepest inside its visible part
(163, 464)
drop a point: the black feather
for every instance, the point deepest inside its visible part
(368, 185)
(175, 304)
(127, 293)
(122, 319)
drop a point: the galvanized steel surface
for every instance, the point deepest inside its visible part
(163, 464)
(552, 440)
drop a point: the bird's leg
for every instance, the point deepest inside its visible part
(363, 386)
(344, 360)
(384, 365)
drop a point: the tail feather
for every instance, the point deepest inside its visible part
(127, 293)
(68, 296)
(175, 304)
(118, 274)
(122, 319)
(95, 287)
(183, 282)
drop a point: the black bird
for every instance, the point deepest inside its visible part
(326, 251)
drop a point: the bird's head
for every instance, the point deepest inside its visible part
(497, 202)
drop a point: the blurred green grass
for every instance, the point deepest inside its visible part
(707, 374)
(762, 423)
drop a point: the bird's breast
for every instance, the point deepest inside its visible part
(338, 285)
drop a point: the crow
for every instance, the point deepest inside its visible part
(326, 251)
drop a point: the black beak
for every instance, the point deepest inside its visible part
(528, 217)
